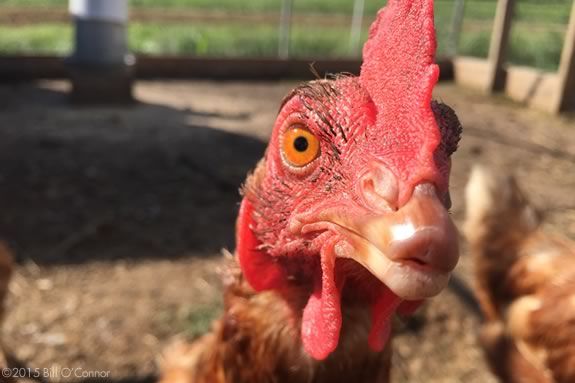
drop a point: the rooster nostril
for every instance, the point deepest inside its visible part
(373, 199)
(368, 186)
(379, 189)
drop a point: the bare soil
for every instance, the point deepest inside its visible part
(118, 215)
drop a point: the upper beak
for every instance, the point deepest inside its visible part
(411, 250)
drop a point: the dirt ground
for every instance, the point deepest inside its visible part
(118, 216)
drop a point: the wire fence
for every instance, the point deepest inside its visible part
(286, 28)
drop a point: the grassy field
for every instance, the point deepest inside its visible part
(537, 36)
(202, 40)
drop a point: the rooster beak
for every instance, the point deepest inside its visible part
(412, 250)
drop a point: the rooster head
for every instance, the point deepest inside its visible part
(352, 196)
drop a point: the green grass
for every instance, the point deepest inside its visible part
(191, 321)
(178, 39)
(197, 39)
(544, 12)
(199, 320)
(234, 41)
(37, 39)
(542, 50)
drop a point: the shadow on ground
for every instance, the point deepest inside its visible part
(101, 184)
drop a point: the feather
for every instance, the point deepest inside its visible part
(525, 282)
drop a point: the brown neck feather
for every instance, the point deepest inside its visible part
(258, 340)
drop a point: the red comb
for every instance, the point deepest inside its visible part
(399, 73)
(398, 69)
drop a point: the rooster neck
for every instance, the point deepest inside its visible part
(263, 329)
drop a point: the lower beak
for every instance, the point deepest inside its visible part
(412, 250)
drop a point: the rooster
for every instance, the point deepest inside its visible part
(342, 224)
(525, 282)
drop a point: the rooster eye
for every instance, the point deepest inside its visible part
(299, 146)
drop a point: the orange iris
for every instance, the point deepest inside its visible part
(300, 146)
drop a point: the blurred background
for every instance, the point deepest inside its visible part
(119, 182)
(319, 28)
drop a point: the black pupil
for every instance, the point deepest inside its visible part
(300, 144)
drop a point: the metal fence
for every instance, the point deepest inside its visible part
(284, 28)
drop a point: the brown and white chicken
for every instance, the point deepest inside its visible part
(525, 283)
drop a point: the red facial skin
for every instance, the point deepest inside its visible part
(380, 137)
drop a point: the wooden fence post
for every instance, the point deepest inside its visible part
(499, 44)
(566, 95)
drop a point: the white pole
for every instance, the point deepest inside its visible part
(100, 31)
(285, 27)
(101, 69)
(105, 10)
(356, 27)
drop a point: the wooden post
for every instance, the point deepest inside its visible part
(285, 26)
(566, 95)
(499, 44)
